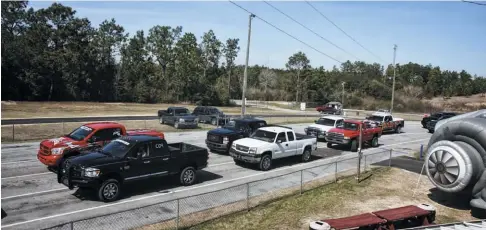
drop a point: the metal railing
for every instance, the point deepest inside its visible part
(192, 210)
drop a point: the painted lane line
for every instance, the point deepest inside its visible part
(18, 162)
(178, 191)
(28, 175)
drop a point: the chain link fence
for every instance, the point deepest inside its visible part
(193, 210)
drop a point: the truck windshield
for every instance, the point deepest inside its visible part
(80, 133)
(348, 126)
(117, 148)
(233, 125)
(264, 136)
(325, 121)
(375, 118)
(181, 111)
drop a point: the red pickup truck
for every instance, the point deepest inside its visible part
(85, 137)
(348, 134)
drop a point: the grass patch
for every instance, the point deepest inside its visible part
(344, 198)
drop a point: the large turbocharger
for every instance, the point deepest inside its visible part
(456, 156)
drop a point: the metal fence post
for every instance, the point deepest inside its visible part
(389, 160)
(178, 214)
(71, 225)
(301, 180)
(365, 163)
(335, 171)
(421, 151)
(247, 197)
(13, 133)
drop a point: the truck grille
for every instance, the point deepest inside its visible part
(335, 136)
(214, 138)
(242, 148)
(44, 150)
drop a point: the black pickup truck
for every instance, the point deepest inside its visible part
(177, 116)
(209, 114)
(129, 159)
(220, 139)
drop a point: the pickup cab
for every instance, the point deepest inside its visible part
(387, 122)
(179, 117)
(130, 159)
(88, 136)
(348, 134)
(272, 142)
(323, 125)
(220, 139)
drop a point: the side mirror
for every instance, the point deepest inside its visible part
(279, 141)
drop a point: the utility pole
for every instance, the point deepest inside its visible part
(394, 75)
(342, 100)
(245, 75)
(360, 153)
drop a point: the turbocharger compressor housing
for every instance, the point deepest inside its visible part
(456, 154)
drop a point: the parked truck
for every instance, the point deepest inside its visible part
(323, 125)
(272, 142)
(348, 133)
(179, 117)
(84, 138)
(212, 115)
(387, 121)
(220, 139)
(130, 159)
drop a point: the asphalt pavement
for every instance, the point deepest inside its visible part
(33, 199)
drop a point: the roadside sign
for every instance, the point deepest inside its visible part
(302, 106)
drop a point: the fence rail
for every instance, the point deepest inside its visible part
(192, 210)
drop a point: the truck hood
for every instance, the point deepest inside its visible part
(61, 142)
(346, 133)
(93, 159)
(250, 142)
(222, 131)
(321, 127)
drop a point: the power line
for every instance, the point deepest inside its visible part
(477, 3)
(311, 30)
(349, 36)
(270, 24)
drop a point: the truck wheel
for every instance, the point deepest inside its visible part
(176, 125)
(374, 142)
(398, 129)
(329, 144)
(306, 156)
(161, 120)
(265, 162)
(213, 121)
(188, 176)
(109, 190)
(238, 162)
(354, 146)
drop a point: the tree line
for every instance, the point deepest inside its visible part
(50, 54)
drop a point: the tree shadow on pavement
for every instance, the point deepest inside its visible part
(152, 185)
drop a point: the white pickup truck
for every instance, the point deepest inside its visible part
(272, 142)
(387, 121)
(323, 125)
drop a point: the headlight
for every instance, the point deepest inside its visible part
(225, 140)
(91, 172)
(181, 120)
(196, 120)
(233, 145)
(305, 130)
(57, 151)
(346, 138)
(253, 150)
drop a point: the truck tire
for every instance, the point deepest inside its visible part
(398, 129)
(329, 144)
(213, 121)
(176, 125)
(161, 120)
(188, 176)
(306, 155)
(238, 162)
(265, 162)
(109, 190)
(354, 146)
(374, 142)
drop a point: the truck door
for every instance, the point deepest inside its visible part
(367, 134)
(282, 146)
(170, 116)
(104, 136)
(138, 166)
(388, 124)
(159, 158)
(293, 146)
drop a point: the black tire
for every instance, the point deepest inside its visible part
(306, 155)
(176, 125)
(161, 120)
(374, 142)
(265, 162)
(214, 121)
(188, 176)
(329, 144)
(109, 190)
(431, 131)
(398, 129)
(238, 162)
(354, 146)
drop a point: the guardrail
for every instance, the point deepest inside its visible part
(192, 210)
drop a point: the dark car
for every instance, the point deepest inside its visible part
(220, 139)
(433, 121)
(177, 116)
(130, 159)
(209, 114)
(435, 116)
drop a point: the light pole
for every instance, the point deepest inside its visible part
(245, 74)
(394, 75)
(342, 100)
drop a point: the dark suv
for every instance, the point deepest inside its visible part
(435, 116)
(220, 139)
(209, 114)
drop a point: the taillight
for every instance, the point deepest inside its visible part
(426, 115)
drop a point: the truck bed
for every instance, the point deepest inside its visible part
(300, 136)
(182, 147)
